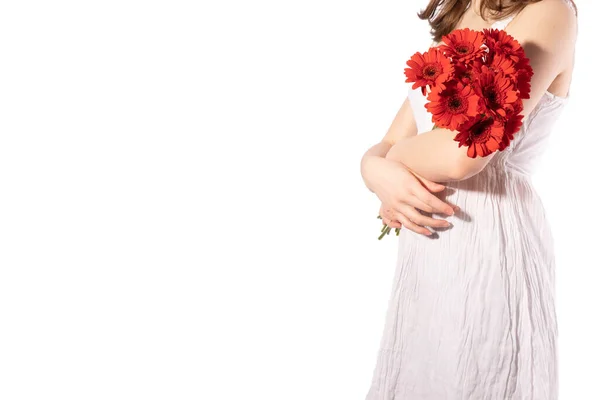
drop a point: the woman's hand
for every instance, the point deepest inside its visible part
(403, 193)
(389, 217)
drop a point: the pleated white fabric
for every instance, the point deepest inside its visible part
(471, 314)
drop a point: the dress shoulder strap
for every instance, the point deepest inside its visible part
(502, 23)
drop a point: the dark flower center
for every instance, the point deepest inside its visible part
(456, 104)
(481, 130)
(463, 48)
(491, 95)
(481, 127)
(431, 71)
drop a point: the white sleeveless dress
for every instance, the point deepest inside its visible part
(472, 313)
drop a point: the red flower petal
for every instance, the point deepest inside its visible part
(453, 105)
(501, 43)
(483, 136)
(431, 68)
(463, 45)
(496, 91)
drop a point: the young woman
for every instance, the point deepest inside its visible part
(472, 314)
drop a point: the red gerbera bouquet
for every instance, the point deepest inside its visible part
(475, 83)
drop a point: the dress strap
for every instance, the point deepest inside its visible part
(503, 23)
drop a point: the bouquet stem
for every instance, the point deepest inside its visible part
(386, 230)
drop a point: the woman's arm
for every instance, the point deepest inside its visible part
(403, 125)
(547, 33)
(400, 190)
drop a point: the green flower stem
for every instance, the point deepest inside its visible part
(386, 230)
(382, 233)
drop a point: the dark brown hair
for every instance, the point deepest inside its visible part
(444, 15)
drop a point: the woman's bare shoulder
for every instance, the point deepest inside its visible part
(547, 30)
(548, 25)
(548, 16)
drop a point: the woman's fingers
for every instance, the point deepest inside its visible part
(403, 221)
(388, 217)
(434, 203)
(423, 220)
(408, 224)
(429, 185)
(417, 203)
(392, 223)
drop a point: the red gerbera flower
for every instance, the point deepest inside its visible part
(513, 123)
(483, 135)
(496, 90)
(463, 45)
(430, 68)
(468, 73)
(500, 62)
(524, 74)
(452, 106)
(500, 42)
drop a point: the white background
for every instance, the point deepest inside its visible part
(181, 209)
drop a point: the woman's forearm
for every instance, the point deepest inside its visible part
(436, 156)
(427, 156)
